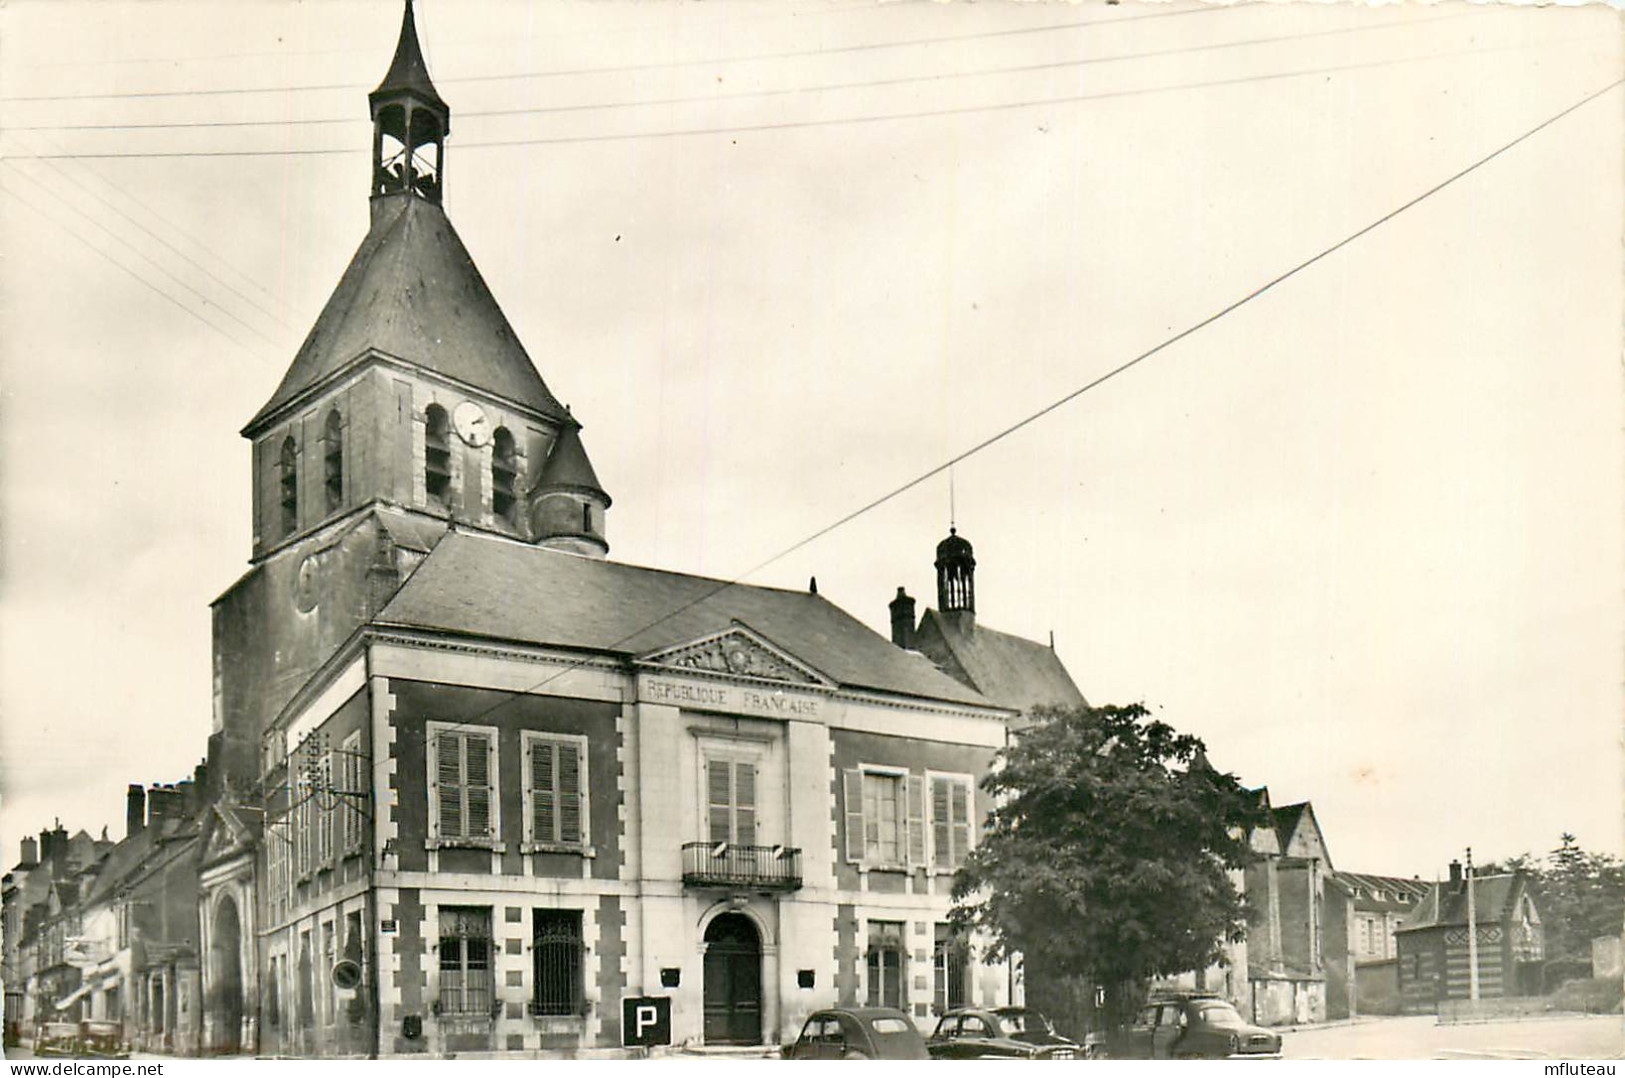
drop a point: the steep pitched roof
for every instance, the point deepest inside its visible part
(408, 72)
(412, 292)
(1012, 671)
(500, 589)
(1494, 899)
(567, 466)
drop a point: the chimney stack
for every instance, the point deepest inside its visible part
(135, 810)
(1455, 876)
(163, 803)
(902, 619)
(30, 853)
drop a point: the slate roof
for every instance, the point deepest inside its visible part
(500, 589)
(1367, 887)
(412, 292)
(408, 72)
(137, 853)
(567, 466)
(1012, 671)
(1494, 899)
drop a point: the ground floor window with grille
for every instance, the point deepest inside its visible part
(465, 960)
(886, 964)
(557, 952)
(949, 957)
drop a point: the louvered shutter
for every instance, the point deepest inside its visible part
(916, 819)
(853, 798)
(477, 780)
(570, 794)
(941, 829)
(745, 804)
(717, 783)
(959, 798)
(449, 784)
(544, 824)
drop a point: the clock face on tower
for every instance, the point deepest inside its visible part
(471, 424)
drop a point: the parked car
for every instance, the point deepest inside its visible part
(1002, 1033)
(102, 1039)
(56, 1039)
(858, 1033)
(1194, 1025)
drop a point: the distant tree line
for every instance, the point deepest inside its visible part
(1579, 896)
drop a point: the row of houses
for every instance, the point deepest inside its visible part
(471, 784)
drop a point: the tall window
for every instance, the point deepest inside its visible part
(885, 817)
(329, 992)
(556, 795)
(288, 484)
(885, 964)
(882, 818)
(731, 801)
(465, 960)
(463, 784)
(556, 952)
(504, 474)
(950, 819)
(355, 794)
(949, 952)
(333, 460)
(437, 453)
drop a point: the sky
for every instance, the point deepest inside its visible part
(1361, 534)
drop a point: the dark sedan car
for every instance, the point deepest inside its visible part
(857, 1033)
(1003, 1033)
(1195, 1026)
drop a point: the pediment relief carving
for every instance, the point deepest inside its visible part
(741, 653)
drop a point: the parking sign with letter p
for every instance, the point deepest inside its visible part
(645, 1020)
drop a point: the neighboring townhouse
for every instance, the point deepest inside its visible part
(1376, 907)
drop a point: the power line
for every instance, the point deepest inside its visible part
(787, 125)
(207, 302)
(1061, 401)
(144, 282)
(749, 94)
(170, 246)
(627, 68)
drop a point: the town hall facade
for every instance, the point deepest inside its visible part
(477, 783)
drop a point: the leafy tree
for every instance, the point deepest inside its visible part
(1109, 852)
(1579, 895)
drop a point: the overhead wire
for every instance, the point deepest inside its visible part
(901, 80)
(616, 69)
(1057, 403)
(788, 125)
(194, 263)
(102, 253)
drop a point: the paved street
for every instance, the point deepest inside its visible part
(1599, 1037)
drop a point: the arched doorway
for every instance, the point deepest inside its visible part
(733, 981)
(226, 978)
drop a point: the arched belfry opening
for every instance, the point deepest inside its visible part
(956, 574)
(410, 123)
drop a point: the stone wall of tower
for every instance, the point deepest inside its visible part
(384, 412)
(279, 623)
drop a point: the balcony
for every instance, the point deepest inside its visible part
(756, 868)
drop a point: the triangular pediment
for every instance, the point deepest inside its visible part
(227, 835)
(738, 651)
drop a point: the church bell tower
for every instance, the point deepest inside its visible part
(410, 408)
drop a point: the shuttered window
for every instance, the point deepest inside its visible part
(730, 791)
(354, 797)
(886, 817)
(463, 774)
(950, 820)
(556, 797)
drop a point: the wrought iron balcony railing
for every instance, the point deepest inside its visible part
(726, 864)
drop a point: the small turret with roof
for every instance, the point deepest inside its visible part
(568, 503)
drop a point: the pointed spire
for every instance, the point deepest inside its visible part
(408, 73)
(567, 466)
